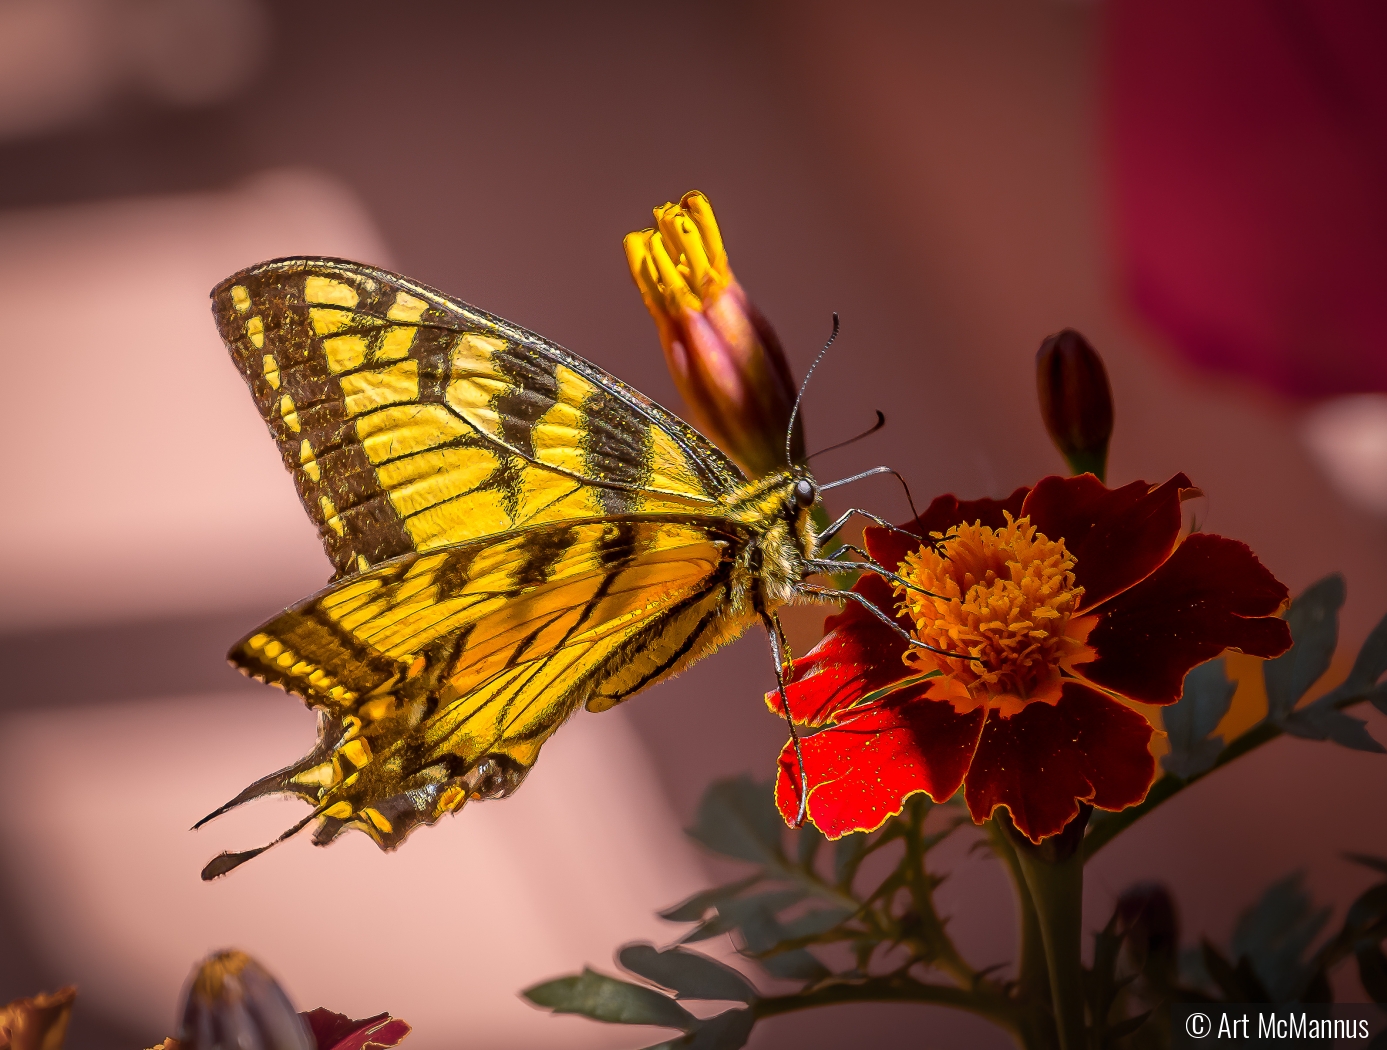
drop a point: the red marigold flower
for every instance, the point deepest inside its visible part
(1060, 602)
(723, 354)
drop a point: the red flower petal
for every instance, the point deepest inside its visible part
(339, 1032)
(889, 548)
(861, 771)
(1213, 594)
(1043, 761)
(857, 655)
(1117, 536)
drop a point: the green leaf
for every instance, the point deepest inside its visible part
(1314, 622)
(697, 906)
(738, 818)
(726, 1031)
(795, 965)
(605, 998)
(1239, 984)
(1275, 933)
(1377, 864)
(813, 923)
(738, 911)
(1320, 721)
(1206, 698)
(691, 975)
(1369, 665)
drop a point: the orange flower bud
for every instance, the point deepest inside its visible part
(725, 358)
(1075, 401)
(232, 1003)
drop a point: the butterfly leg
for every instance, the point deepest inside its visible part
(836, 595)
(828, 566)
(875, 519)
(780, 652)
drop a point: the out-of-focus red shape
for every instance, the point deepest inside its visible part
(1248, 149)
(339, 1032)
(36, 1023)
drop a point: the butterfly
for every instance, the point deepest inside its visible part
(515, 533)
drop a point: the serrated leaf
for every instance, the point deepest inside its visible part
(1369, 665)
(1367, 860)
(1239, 984)
(726, 1031)
(1314, 621)
(813, 923)
(1372, 971)
(690, 975)
(738, 911)
(604, 998)
(795, 965)
(738, 818)
(1320, 721)
(697, 906)
(1275, 933)
(1205, 700)
(1367, 915)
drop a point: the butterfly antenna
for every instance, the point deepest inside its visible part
(794, 412)
(881, 422)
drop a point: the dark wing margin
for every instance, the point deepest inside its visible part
(411, 421)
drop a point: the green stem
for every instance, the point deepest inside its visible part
(894, 990)
(1056, 883)
(1032, 977)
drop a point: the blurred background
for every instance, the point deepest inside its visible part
(1198, 188)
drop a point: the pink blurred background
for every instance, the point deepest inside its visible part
(1199, 193)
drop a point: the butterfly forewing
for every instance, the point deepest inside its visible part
(411, 421)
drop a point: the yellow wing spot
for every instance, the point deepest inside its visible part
(394, 432)
(365, 391)
(324, 775)
(301, 668)
(351, 723)
(337, 692)
(255, 331)
(271, 368)
(289, 413)
(273, 648)
(308, 460)
(257, 641)
(325, 290)
(339, 810)
(406, 307)
(396, 344)
(426, 479)
(378, 819)
(451, 799)
(362, 565)
(357, 752)
(375, 710)
(331, 516)
(240, 298)
(669, 469)
(417, 667)
(287, 658)
(474, 514)
(345, 352)
(475, 382)
(327, 319)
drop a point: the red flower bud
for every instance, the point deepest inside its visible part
(1075, 401)
(724, 356)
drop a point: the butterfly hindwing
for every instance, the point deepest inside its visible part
(411, 421)
(441, 674)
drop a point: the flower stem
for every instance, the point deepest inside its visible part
(1054, 874)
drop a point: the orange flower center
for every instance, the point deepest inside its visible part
(1000, 598)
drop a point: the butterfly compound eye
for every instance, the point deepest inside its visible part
(804, 494)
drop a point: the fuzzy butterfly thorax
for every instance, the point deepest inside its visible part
(515, 533)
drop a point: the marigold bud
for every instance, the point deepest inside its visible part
(725, 358)
(232, 1003)
(1075, 401)
(1147, 919)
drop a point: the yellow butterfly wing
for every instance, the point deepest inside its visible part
(441, 674)
(411, 421)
